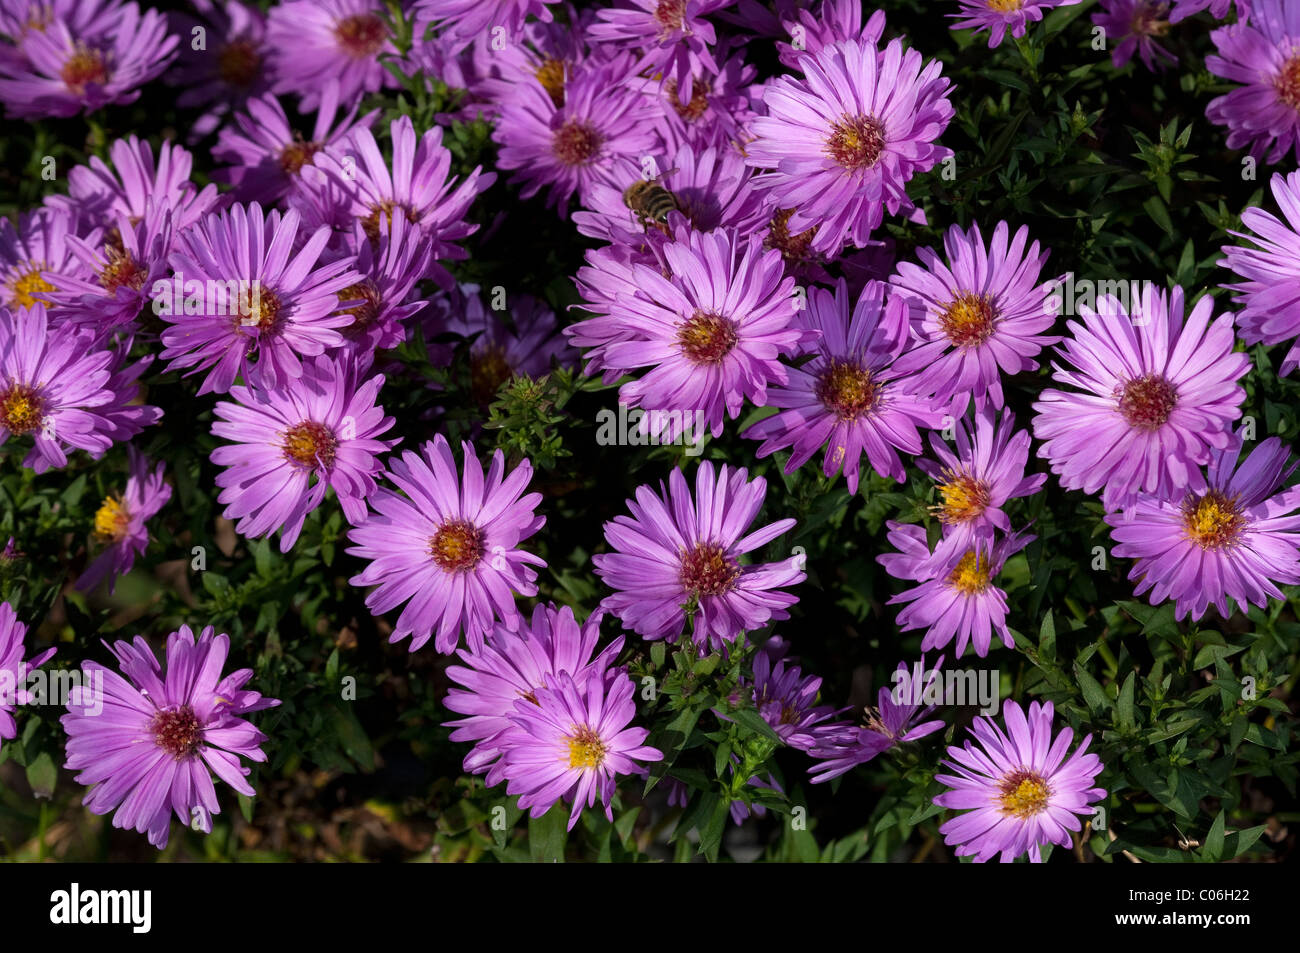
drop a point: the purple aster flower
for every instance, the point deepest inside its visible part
(1218, 9)
(1264, 55)
(677, 552)
(573, 743)
(896, 719)
(569, 146)
(451, 550)
(418, 187)
(710, 188)
(1236, 539)
(258, 298)
(1154, 395)
(52, 383)
(979, 313)
(1269, 296)
(148, 744)
(716, 113)
(14, 670)
(461, 22)
(961, 599)
(834, 21)
(60, 73)
(514, 664)
(787, 699)
(98, 193)
(843, 141)
(125, 415)
(601, 283)
(530, 345)
(999, 16)
(36, 258)
(229, 67)
(849, 398)
(312, 41)
(673, 37)
(289, 445)
(546, 51)
(712, 332)
(120, 523)
(381, 303)
(1018, 789)
(20, 18)
(1135, 24)
(268, 154)
(987, 470)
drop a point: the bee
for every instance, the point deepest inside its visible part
(650, 202)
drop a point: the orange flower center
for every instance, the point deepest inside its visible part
(84, 67)
(969, 320)
(297, 154)
(847, 389)
(971, 576)
(964, 498)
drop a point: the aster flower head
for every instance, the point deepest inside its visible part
(673, 36)
(1218, 9)
(841, 143)
(1133, 26)
(418, 187)
(267, 153)
(986, 470)
(569, 146)
(125, 415)
(264, 305)
(61, 73)
(384, 300)
(150, 745)
(711, 332)
(786, 698)
(1016, 788)
(1263, 115)
(289, 445)
(849, 398)
(1154, 393)
(461, 22)
(1237, 539)
(898, 718)
(310, 42)
(448, 549)
(717, 111)
(978, 312)
(36, 258)
(606, 277)
(52, 384)
(1270, 305)
(1002, 16)
(573, 743)
(229, 67)
(678, 552)
(20, 18)
(119, 523)
(514, 664)
(14, 669)
(957, 596)
(835, 20)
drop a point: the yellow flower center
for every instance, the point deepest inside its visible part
(793, 248)
(111, 520)
(26, 287)
(551, 75)
(1213, 521)
(1024, 794)
(263, 309)
(21, 409)
(969, 320)
(847, 390)
(297, 154)
(586, 750)
(386, 208)
(457, 546)
(971, 576)
(964, 498)
(1005, 6)
(310, 444)
(692, 111)
(83, 67)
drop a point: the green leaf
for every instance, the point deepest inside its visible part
(1212, 849)
(1124, 707)
(1047, 638)
(751, 719)
(1093, 693)
(42, 775)
(547, 835)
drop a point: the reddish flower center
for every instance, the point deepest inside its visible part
(365, 313)
(238, 62)
(111, 520)
(1213, 521)
(22, 409)
(177, 731)
(551, 75)
(457, 546)
(1287, 82)
(84, 67)
(969, 320)
(121, 270)
(297, 154)
(670, 14)
(26, 287)
(488, 370)
(1147, 402)
(707, 570)
(360, 35)
(971, 575)
(310, 444)
(964, 498)
(586, 750)
(847, 390)
(1149, 19)
(707, 338)
(692, 111)
(576, 143)
(1024, 794)
(856, 142)
(793, 248)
